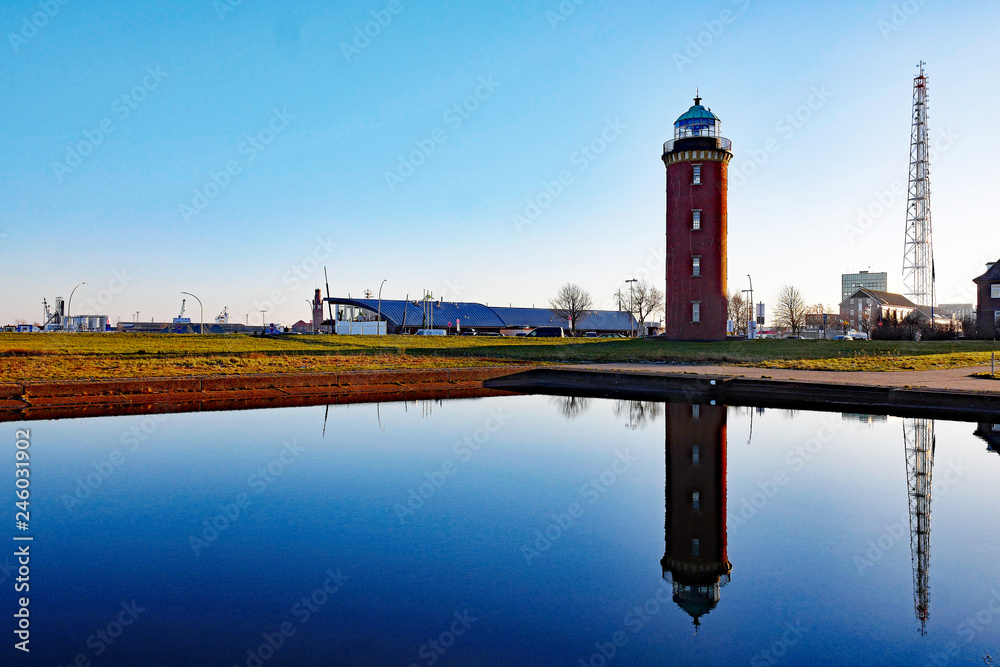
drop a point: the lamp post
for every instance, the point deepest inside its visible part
(69, 303)
(202, 328)
(311, 324)
(630, 307)
(137, 317)
(378, 319)
(751, 304)
(263, 326)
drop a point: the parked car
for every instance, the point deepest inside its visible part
(546, 332)
(843, 338)
(469, 332)
(590, 334)
(431, 332)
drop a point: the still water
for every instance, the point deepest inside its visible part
(520, 530)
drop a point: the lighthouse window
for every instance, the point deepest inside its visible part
(696, 266)
(696, 311)
(696, 500)
(696, 219)
(695, 547)
(695, 454)
(696, 177)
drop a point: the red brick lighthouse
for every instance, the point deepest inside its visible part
(697, 162)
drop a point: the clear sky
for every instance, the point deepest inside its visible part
(232, 148)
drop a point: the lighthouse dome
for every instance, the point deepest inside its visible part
(697, 121)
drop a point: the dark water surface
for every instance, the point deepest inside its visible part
(524, 530)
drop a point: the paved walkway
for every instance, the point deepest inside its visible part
(956, 379)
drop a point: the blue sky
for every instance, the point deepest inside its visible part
(232, 149)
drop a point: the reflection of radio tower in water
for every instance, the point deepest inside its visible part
(918, 440)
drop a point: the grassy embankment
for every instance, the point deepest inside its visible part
(92, 356)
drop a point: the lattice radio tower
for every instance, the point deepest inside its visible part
(918, 442)
(918, 252)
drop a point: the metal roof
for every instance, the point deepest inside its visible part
(695, 112)
(468, 314)
(477, 315)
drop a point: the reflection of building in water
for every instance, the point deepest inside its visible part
(695, 524)
(991, 434)
(864, 419)
(918, 441)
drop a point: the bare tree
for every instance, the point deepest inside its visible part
(571, 303)
(790, 309)
(646, 300)
(638, 414)
(736, 307)
(621, 298)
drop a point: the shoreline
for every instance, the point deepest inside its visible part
(950, 393)
(30, 401)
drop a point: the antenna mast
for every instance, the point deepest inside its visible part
(918, 252)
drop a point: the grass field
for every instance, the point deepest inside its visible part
(59, 356)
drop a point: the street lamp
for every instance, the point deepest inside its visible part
(263, 326)
(311, 323)
(751, 304)
(137, 317)
(69, 303)
(630, 307)
(378, 319)
(202, 330)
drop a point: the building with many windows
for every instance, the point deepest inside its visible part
(865, 307)
(852, 282)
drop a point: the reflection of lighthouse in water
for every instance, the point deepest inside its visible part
(695, 525)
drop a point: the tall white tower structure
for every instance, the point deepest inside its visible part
(918, 252)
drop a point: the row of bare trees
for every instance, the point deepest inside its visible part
(572, 302)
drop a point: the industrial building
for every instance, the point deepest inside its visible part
(406, 317)
(697, 164)
(852, 282)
